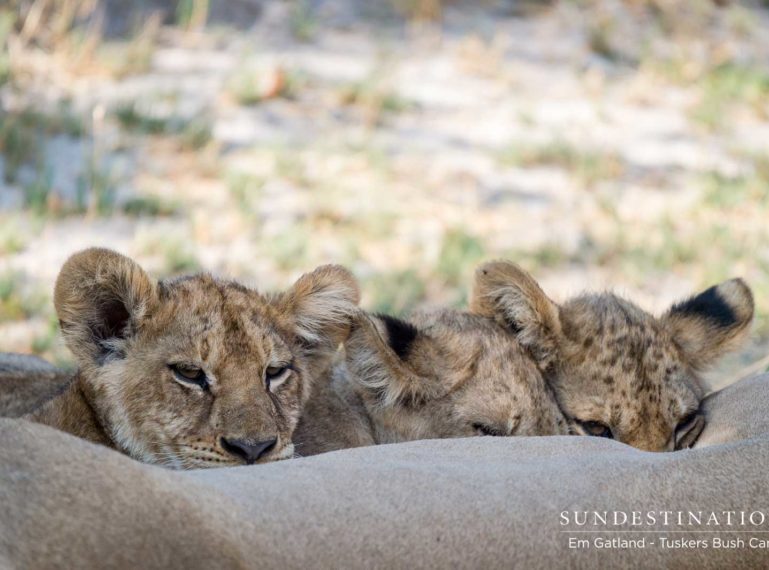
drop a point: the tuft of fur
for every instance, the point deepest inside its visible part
(506, 293)
(320, 304)
(439, 374)
(612, 364)
(373, 358)
(127, 331)
(712, 323)
(319, 308)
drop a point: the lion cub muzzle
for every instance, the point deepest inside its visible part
(247, 450)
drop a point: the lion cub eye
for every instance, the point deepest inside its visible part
(596, 429)
(688, 430)
(186, 374)
(483, 429)
(274, 376)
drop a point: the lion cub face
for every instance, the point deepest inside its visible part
(447, 374)
(618, 371)
(196, 371)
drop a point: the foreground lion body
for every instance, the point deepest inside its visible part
(28, 382)
(191, 372)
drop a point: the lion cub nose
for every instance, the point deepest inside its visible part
(247, 450)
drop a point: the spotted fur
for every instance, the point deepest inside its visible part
(612, 364)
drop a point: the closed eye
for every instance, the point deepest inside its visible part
(687, 419)
(688, 430)
(596, 429)
(276, 375)
(483, 429)
(189, 375)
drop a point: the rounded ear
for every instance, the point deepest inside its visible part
(377, 354)
(100, 297)
(712, 323)
(320, 305)
(508, 294)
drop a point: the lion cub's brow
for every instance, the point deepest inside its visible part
(225, 312)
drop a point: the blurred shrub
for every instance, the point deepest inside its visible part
(395, 292)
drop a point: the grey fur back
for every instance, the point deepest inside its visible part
(26, 382)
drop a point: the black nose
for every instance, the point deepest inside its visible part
(248, 450)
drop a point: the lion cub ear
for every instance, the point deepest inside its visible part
(712, 323)
(508, 294)
(100, 298)
(321, 305)
(379, 355)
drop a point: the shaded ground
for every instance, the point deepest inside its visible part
(602, 144)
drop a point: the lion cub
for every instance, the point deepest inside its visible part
(196, 371)
(617, 371)
(443, 374)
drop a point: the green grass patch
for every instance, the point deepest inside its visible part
(132, 56)
(730, 192)
(97, 189)
(395, 293)
(20, 144)
(193, 133)
(17, 300)
(726, 86)
(6, 28)
(373, 97)
(289, 249)
(175, 251)
(132, 118)
(291, 166)
(460, 253)
(546, 255)
(38, 192)
(12, 238)
(179, 258)
(150, 206)
(246, 189)
(22, 135)
(192, 13)
(638, 254)
(45, 342)
(589, 166)
(302, 20)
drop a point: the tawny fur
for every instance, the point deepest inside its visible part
(612, 364)
(457, 375)
(126, 329)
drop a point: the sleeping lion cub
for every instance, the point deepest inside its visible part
(616, 370)
(195, 371)
(444, 374)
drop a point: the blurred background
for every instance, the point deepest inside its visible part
(600, 143)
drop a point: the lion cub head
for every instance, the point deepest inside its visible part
(447, 373)
(618, 371)
(196, 371)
